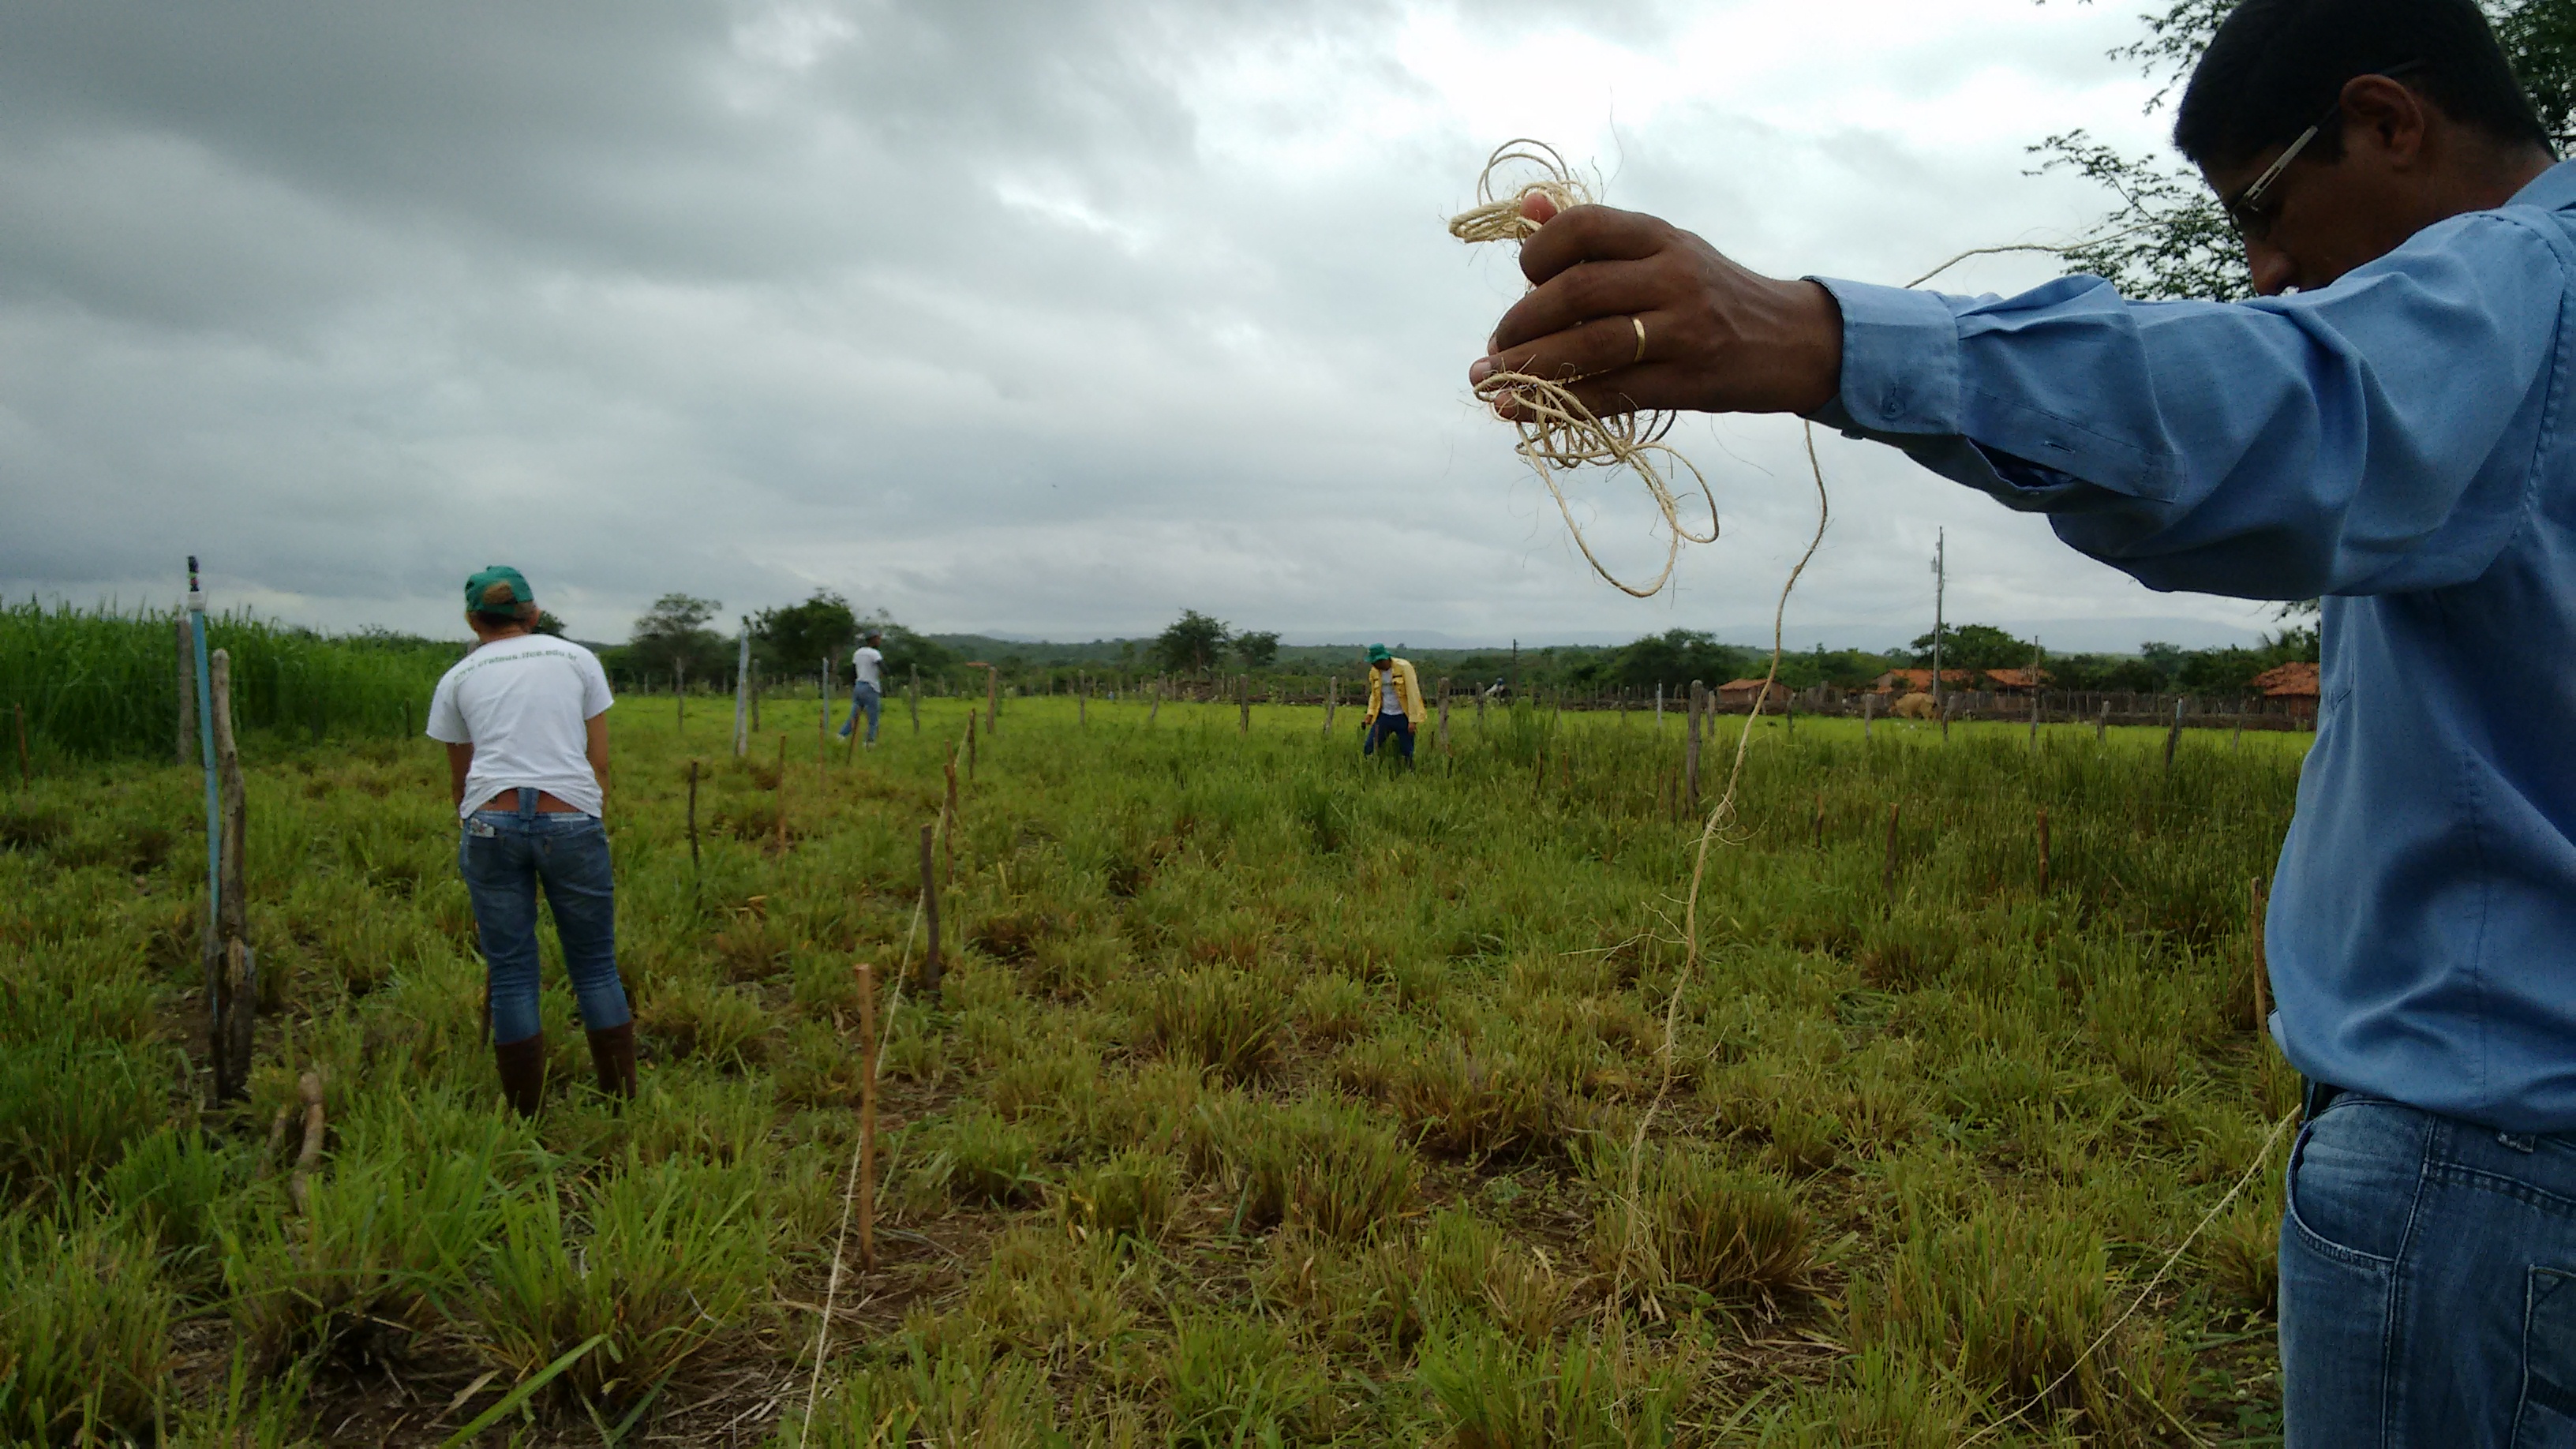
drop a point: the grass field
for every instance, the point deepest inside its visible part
(1272, 1098)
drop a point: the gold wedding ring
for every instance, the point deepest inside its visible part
(1640, 325)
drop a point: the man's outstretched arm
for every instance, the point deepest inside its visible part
(2352, 440)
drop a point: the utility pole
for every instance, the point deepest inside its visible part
(1940, 584)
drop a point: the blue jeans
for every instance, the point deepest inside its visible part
(1397, 726)
(504, 855)
(2428, 1283)
(864, 696)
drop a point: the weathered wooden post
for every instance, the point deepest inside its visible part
(742, 694)
(235, 993)
(916, 699)
(2043, 850)
(679, 696)
(1332, 697)
(992, 698)
(2102, 721)
(1820, 820)
(2173, 736)
(930, 915)
(1082, 702)
(1243, 699)
(2259, 914)
(693, 816)
(1868, 709)
(1887, 874)
(1444, 716)
(1690, 747)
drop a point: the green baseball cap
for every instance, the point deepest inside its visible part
(498, 588)
(1378, 654)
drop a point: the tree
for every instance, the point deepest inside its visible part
(547, 624)
(673, 635)
(2165, 238)
(1192, 643)
(1975, 646)
(1257, 650)
(798, 637)
(1672, 659)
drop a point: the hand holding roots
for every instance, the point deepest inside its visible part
(1558, 434)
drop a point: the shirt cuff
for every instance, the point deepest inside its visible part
(1900, 361)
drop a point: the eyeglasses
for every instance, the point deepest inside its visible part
(2244, 210)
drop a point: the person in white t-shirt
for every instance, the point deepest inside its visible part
(867, 688)
(525, 721)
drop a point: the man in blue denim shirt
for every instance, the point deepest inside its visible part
(525, 721)
(2387, 427)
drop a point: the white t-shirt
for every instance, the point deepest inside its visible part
(524, 704)
(1391, 698)
(868, 663)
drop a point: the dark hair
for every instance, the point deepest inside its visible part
(2276, 66)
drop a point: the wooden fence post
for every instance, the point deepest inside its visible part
(1332, 697)
(1820, 820)
(779, 795)
(948, 818)
(187, 691)
(930, 914)
(1868, 708)
(742, 695)
(235, 996)
(992, 699)
(1082, 702)
(2261, 913)
(867, 1117)
(679, 697)
(2043, 850)
(1690, 748)
(1444, 715)
(1887, 874)
(693, 816)
(1243, 699)
(2173, 736)
(2102, 722)
(916, 700)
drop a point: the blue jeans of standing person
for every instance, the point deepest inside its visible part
(505, 856)
(1397, 726)
(864, 698)
(2428, 1283)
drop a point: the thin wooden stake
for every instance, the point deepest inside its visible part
(2262, 913)
(867, 1117)
(948, 818)
(300, 1186)
(2173, 737)
(1887, 876)
(2102, 722)
(232, 1003)
(1690, 746)
(2043, 850)
(916, 699)
(693, 817)
(930, 914)
(1820, 820)
(970, 747)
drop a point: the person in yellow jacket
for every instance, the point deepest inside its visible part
(1398, 702)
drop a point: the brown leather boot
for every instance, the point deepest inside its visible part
(613, 1052)
(523, 1073)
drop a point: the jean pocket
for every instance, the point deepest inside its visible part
(2546, 1417)
(2354, 1176)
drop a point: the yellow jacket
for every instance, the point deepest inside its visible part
(1407, 688)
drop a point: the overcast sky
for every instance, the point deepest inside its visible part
(1047, 318)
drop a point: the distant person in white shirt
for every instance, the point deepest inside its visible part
(867, 688)
(525, 721)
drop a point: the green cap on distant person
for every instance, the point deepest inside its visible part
(500, 588)
(1378, 654)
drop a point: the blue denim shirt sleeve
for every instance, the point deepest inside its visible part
(2333, 442)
